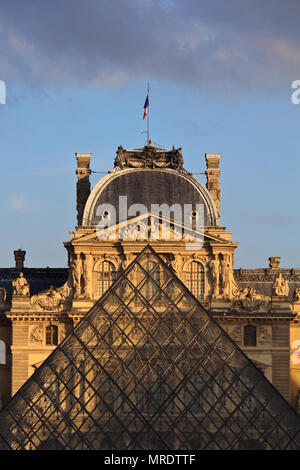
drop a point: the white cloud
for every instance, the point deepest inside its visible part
(19, 202)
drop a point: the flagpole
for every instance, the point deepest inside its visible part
(148, 140)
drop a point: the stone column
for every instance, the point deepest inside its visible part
(212, 178)
(83, 183)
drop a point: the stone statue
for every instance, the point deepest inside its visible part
(3, 295)
(175, 233)
(132, 232)
(176, 265)
(87, 273)
(154, 229)
(225, 276)
(249, 299)
(142, 231)
(281, 286)
(149, 157)
(214, 274)
(297, 295)
(47, 300)
(21, 286)
(51, 299)
(76, 269)
(126, 261)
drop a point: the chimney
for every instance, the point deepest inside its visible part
(19, 258)
(212, 178)
(274, 262)
(83, 183)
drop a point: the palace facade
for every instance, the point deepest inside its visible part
(125, 212)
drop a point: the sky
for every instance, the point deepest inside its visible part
(220, 75)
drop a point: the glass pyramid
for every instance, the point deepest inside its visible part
(148, 368)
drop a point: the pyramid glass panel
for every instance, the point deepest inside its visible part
(148, 368)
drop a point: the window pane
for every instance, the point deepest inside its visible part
(106, 276)
(195, 279)
(51, 335)
(250, 335)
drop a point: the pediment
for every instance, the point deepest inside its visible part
(150, 227)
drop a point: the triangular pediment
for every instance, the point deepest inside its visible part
(149, 227)
(148, 368)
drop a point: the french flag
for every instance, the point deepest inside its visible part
(146, 106)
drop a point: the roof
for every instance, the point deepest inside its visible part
(147, 177)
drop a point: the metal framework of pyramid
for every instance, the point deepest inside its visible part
(148, 368)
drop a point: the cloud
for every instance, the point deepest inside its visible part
(245, 44)
(18, 202)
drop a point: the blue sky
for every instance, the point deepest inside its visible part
(220, 81)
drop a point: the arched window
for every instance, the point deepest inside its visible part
(52, 335)
(2, 352)
(106, 276)
(153, 282)
(250, 335)
(195, 279)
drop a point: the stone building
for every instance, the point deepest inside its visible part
(149, 198)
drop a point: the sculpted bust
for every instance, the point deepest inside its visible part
(21, 286)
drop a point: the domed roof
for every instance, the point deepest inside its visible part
(149, 176)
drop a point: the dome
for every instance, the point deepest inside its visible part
(155, 180)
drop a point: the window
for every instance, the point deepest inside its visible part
(250, 335)
(106, 277)
(52, 335)
(150, 288)
(195, 279)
